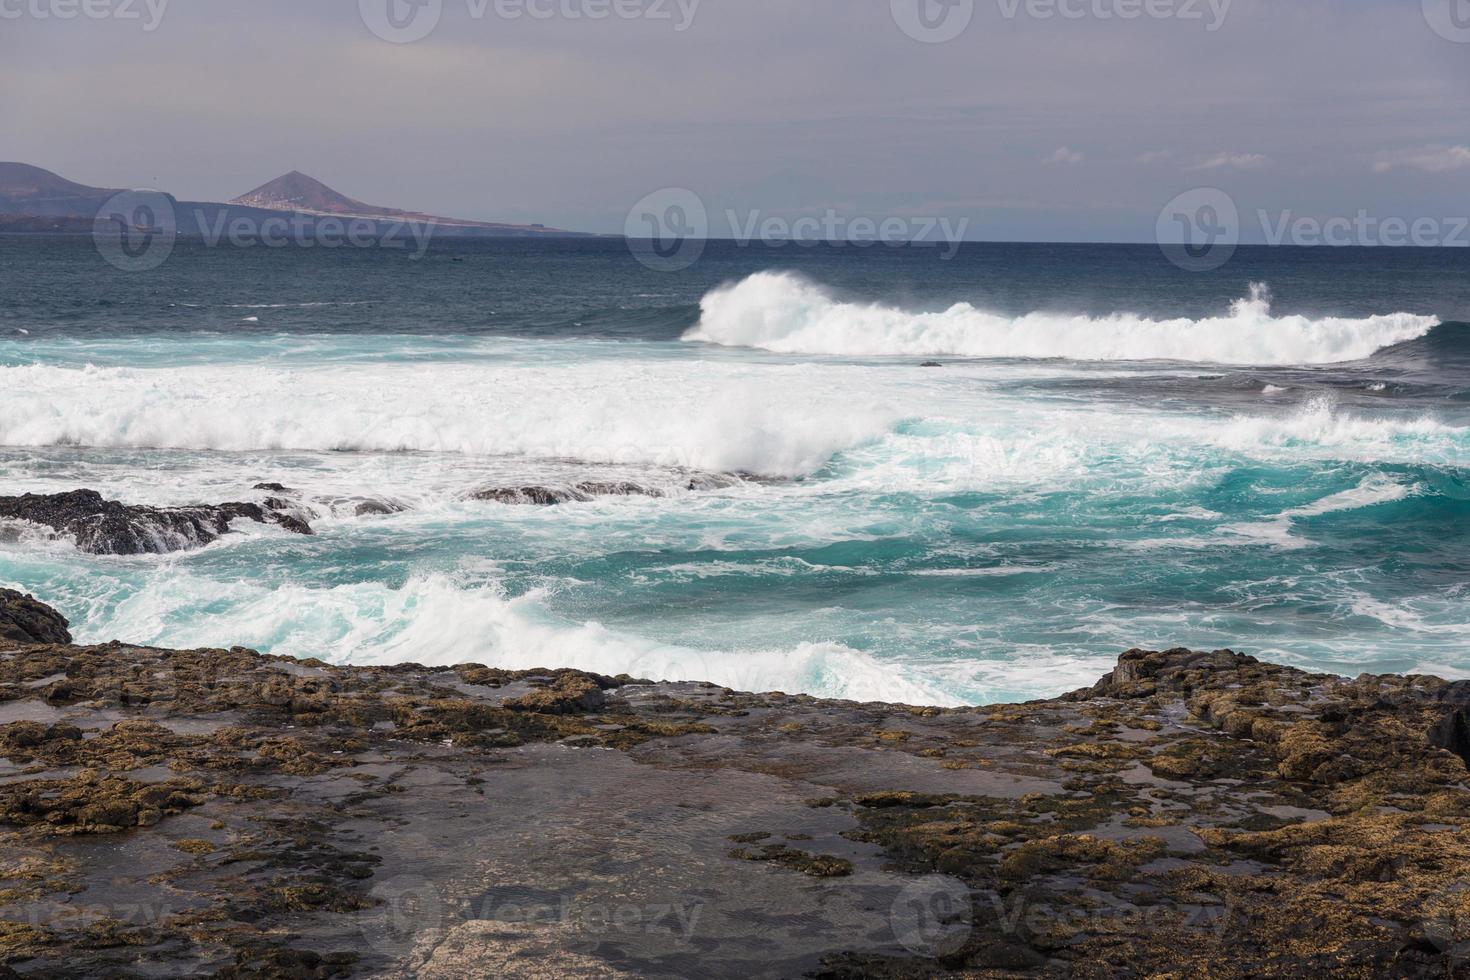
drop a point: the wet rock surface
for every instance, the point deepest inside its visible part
(586, 490)
(24, 619)
(538, 496)
(107, 527)
(223, 813)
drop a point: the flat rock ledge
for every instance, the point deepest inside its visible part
(224, 813)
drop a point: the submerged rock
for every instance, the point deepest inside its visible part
(378, 507)
(552, 496)
(107, 527)
(1193, 814)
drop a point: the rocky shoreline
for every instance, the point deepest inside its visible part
(224, 813)
(109, 527)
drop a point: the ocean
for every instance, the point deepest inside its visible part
(1273, 456)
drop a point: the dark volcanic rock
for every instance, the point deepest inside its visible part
(549, 496)
(552, 496)
(378, 508)
(24, 620)
(106, 527)
(223, 813)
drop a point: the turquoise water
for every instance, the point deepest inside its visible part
(1114, 454)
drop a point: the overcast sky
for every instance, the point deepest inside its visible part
(1031, 127)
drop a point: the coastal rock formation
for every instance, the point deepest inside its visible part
(223, 813)
(550, 496)
(106, 527)
(24, 620)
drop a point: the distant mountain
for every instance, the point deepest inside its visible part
(29, 190)
(33, 199)
(298, 193)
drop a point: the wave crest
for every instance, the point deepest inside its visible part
(784, 313)
(439, 620)
(704, 418)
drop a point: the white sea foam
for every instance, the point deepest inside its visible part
(780, 421)
(1321, 428)
(880, 430)
(782, 312)
(438, 621)
(1279, 532)
(1372, 491)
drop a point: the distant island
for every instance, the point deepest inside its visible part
(33, 199)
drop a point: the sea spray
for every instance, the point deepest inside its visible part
(784, 313)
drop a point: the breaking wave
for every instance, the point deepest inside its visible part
(784, 313)
(696, 417)
(438, 621)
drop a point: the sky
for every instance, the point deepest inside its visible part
(1053, 120)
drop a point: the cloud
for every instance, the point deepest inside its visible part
(873, 118)
(1233, 161)
(1431, 159)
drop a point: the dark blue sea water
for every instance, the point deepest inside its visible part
(1271, 456)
